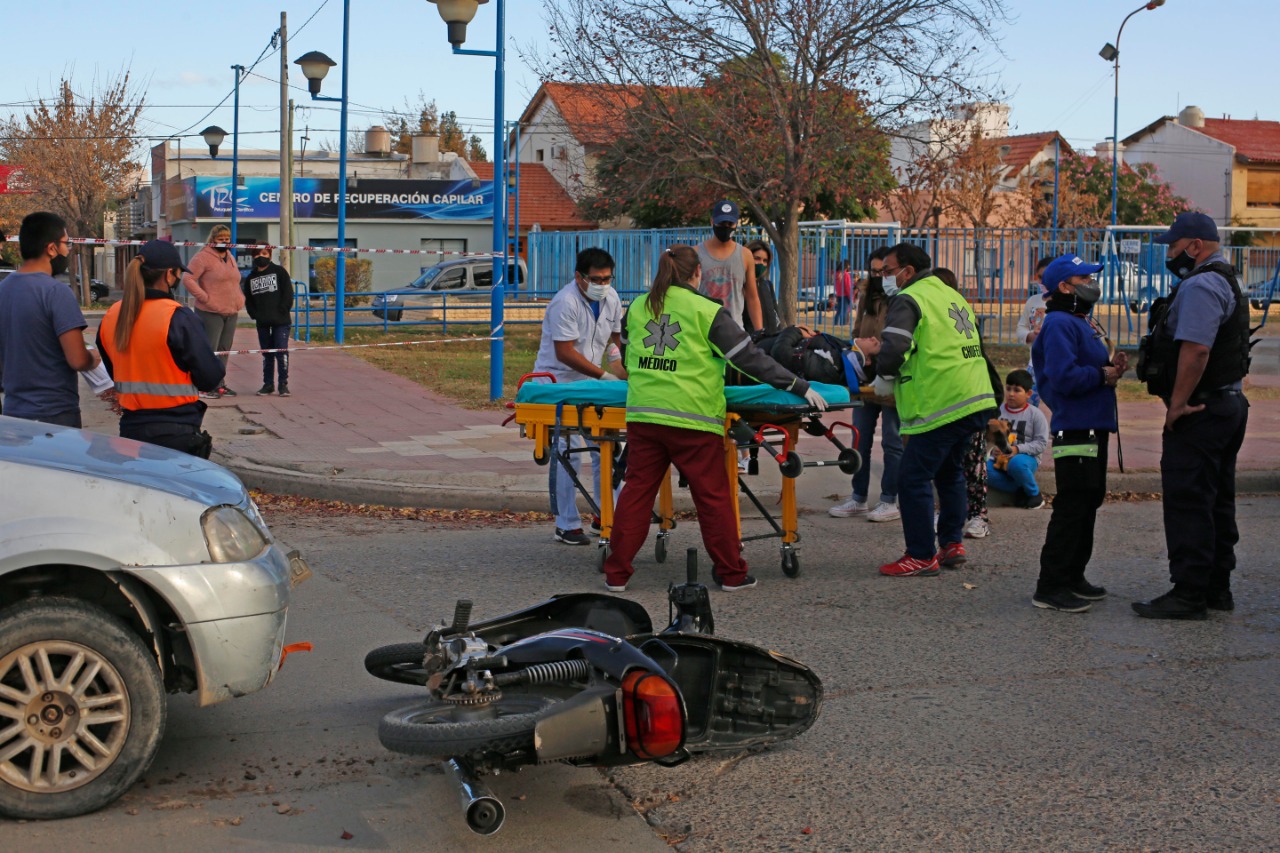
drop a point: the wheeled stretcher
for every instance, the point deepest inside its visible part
(758, 417)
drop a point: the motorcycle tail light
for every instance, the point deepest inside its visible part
(653, 714)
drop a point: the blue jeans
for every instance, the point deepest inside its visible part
(564, 495)
(890, 443)
(935, 459)
(1021, 474)
(274, 337)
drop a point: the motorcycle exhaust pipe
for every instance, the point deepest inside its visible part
(482, 811)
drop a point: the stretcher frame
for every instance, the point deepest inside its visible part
(775, 430)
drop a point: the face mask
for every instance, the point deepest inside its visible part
(596, 292)
(1182, 265)
(222, 250)
(761, 270)
(890, 286)
(1088, 293)
(261, 263)
(875, 283)
(59, 264)
(724, 233)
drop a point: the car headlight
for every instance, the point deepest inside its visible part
(231, 535)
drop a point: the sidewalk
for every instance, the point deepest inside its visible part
(354, 433)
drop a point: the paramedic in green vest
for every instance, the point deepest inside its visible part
(677, 343)
(931, 362)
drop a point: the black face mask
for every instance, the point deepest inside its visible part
(1182, 265)
(875, 284)
(261, 263)
(59, 264)
(724, 233)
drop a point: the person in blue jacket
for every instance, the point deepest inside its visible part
(1076, 371)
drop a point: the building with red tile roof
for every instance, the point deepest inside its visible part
(1228, 168)
(543, 201)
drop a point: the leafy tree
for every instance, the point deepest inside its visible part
(1084, 197)
(77, 152)
(424, 117)
(775, 103)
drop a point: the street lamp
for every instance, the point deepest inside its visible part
(213, 137)
(315, 65)
(1111, 53)
(457, 14)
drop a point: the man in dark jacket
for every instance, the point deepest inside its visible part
(268, 296)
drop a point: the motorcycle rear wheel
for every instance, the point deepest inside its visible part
(444, 730)
(400, 662)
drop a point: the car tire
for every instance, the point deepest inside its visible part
(125, 699)
(394, 316)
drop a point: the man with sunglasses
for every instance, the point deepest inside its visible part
(581, 330)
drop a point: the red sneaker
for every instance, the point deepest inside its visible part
(907, 565)
(952, 556)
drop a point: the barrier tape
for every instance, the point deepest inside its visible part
(292, 350)
(98, 241)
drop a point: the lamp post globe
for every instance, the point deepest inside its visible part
(213, 136)
(315, 65)
(457, 14)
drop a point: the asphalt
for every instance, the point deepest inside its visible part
(352, 432)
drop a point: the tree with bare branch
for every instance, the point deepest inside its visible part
(788, 73)
(78, 152)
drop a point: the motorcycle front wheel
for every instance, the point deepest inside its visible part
(445, 730)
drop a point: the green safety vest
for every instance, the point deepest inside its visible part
(675, 376)
(944, 376)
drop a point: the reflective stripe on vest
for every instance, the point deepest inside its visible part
(944, 376)
(674, 376)
(146, 376)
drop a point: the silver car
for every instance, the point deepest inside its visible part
(127, 571)
(469, 280)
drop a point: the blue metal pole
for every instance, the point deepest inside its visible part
(499, 209)
(235, 153)
(340, 268)
(1115, 136)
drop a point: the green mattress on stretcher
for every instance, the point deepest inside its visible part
(740, 398)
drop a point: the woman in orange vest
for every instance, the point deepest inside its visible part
(159, 356)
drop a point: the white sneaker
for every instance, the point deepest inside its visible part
(977, 528)
(743, 463)
(848, 509)
(884, 512)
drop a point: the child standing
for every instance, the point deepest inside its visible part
(1029, 430)
(268, 296)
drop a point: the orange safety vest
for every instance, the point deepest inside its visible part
(146, 376)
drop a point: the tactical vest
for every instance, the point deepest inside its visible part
(146, 375)
(944, 377)
(1228, 357)
(674, 376)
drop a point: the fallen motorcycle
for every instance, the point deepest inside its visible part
(582, 678)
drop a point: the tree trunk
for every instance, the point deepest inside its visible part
(788, 249)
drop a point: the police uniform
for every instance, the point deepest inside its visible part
(1198, 455)
(675, 415)
(931, 347)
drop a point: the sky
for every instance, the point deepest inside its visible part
(1215, 54)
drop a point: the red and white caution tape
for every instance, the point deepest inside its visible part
(97, 241)
(292, 350)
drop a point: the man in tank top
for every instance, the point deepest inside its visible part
(728, 269)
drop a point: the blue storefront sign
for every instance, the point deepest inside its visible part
(317, 198)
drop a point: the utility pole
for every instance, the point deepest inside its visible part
(286, 147)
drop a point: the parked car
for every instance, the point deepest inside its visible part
(127, 571)
(465, 280)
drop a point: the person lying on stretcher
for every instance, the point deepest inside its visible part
(820, 357)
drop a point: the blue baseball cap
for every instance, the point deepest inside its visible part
(1065, 267)
(161, 255)
(724, 211)
(1193, 224)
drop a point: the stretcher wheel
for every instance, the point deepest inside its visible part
(790, 563)
(602, 554)
(541, 460)
(791, 466)
(849, 460)
(660, 548)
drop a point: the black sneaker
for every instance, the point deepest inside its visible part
(746, 583)
(266, 389)
(226, 392)
(595, 524)
(1022, 500)
(572, 537)
(1171, 606)
(284, 390)
(1065, 602)
(1083, 589)
(1220, 600)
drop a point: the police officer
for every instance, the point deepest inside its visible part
(678, 342)
(1195, 358)
(931, 362)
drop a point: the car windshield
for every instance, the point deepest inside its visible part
(424, 280)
